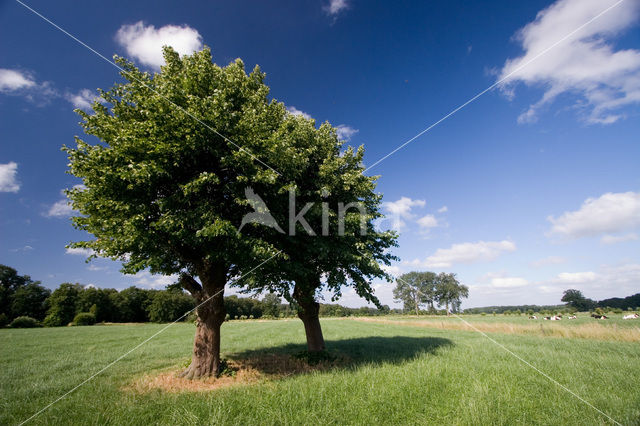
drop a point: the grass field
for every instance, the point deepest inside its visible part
(388, 373)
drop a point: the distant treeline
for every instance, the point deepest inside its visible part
(626, 303)
(73, 303)
(516, 308)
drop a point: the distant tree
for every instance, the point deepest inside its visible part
(131, 304)
(575, 299)
(271, 305)
(30, 300)
(101, 299)
(168, 306)
(62, 305)
(415, 289)
(450, 291)
(10, 282)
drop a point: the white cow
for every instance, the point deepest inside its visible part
(533, 317)
(630, 316)
(572, 317)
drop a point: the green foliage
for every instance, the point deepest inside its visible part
(24, 322)
(575, 299)
(168, 306)
(62, 305)
(271, 305)
(84, 318)
(4, 320)
(30, 300)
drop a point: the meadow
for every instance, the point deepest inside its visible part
(394, 372)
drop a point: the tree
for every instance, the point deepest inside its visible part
(101, 299)
(31, 301)
(62, 305)
(271, 305)
(10, 282)
(415, 289)
(450, 291)
(131, 304)
(575, 299)
(335, 244)
(168, 306)
(165, 191)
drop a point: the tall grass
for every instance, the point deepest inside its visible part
(390, 374)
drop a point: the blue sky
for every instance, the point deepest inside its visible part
(531, 189)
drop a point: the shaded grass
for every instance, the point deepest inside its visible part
(396, 374)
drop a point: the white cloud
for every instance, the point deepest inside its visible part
(611, 212)
(334, 7)
(295, 111)
(443, 209)
(576, 277)
(146, 279)
(468, 253)
(83, 99)
(145, 42)
(427, 222)
(8, 181)
(96, 268)
(585, 65)
(508, 282)
(345, 132)
(61, 208)
(400, 211)
(551, 260)
(12, 80)
(613, 239)
(79, 251)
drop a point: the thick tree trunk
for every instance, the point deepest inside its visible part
(205, 360)
(308, 310)
(309, 316)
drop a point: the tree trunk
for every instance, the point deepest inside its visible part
(309, 316)
(205, 360)
(308, 310)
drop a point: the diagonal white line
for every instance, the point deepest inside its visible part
(538, 370)
(240, 148)
(527, 363)
(140, 344)
(502, 80)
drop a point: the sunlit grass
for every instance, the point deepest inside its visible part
(393, 374)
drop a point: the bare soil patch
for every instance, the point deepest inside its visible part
(241, 372)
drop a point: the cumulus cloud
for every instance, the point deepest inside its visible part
(8, 177)
(508, 282)
(14, 80)
(427, 222)
(334, 7)
(585, 65)
(399, 211)
(82, 99)
(145, 42)
(345, 132)
(468, 253)
(551, 260)
(79, 251)
(61, 208)
(613, 239)
(610, 213)
(146, 279)
(443, 209)
(295, 111)
(576, 277)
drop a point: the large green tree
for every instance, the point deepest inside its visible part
(164, 186)
(415, 289)
(450, 292)
(331, 241)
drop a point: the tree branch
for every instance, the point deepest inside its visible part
(191, 285)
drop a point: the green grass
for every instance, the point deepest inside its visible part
(396, 375)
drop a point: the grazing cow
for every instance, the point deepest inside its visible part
(630, 316)
(572, 317)
(556, 318)
(533, 317)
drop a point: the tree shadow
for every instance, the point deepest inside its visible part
(351, 353)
